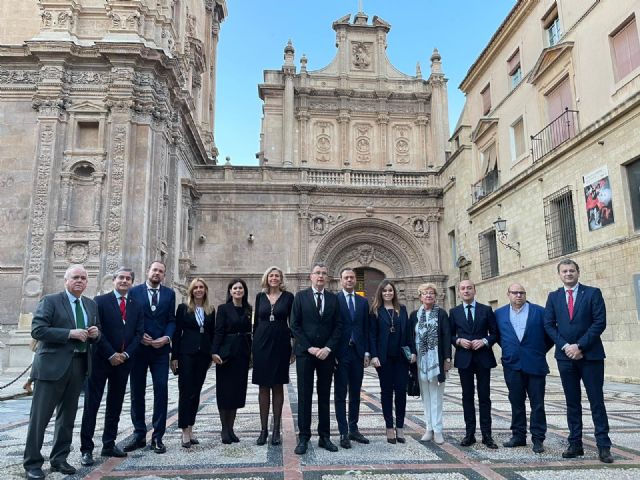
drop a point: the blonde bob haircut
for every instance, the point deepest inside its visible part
(264, 283)
(423, 287)
(191, 304)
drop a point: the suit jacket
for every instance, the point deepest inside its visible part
(115, 333)
(52, 321)
(444, 338)
(356, 329)
(484, 326)
(380, 325)
(187, 338)
(162, 321)
(309, 328)
(588, 323)
(528, 355)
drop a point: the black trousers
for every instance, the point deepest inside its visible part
(101, 373)
(522, 385)
(308, 366)
(62, 396)
(348, 378)
(192, 372)
(468, 377)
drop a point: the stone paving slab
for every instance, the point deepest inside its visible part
(376, 461)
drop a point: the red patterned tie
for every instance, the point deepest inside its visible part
(570, 303)
(123, 309)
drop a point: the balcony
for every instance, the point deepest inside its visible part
(561, 129)
(489, 183)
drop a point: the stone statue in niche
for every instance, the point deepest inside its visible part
(416, 224)
(319, 223)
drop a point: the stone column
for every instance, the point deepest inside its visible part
(384, 152)
(439, 114)
(288, 120)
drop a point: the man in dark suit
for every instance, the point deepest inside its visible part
(316, 327)
(524, 344)
(352, 356)
(575, 317)
(159, 309)
(473, 333)
(63, 324)
(122, 328)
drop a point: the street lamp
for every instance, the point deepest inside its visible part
(503, 236)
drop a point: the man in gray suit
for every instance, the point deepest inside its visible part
(63, 323)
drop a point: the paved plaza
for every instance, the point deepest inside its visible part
(376, 461)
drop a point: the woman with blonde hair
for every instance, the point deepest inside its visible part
(191, 354)
(271, 349)
(392, 351)
(431, 335)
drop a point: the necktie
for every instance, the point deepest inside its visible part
(570, 303)
(123, 309)
(352, 307)
(319, 302)
(154, 297)
(469, 316)
(82, 346)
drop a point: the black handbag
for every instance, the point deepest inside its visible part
(413, 384)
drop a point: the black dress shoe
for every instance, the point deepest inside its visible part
(63, 467)
(234, 437)
(604, 454)
(186, 444)
(489, 443)
(194, 441)
(515, 442)
(327, 444)
(467, 441)
(158, 447)
(573, 451)
(114, 451)
(276, 439)
(537, 446)
(34, 474)
(344, 441)
(358, 437)
(135, 445)
(262, 438)
(302, 446)
(87, 459)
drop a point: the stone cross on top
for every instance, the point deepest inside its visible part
(360, 7)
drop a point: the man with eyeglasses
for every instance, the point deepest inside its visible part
(316, 326)
(64, 324)
(524, 345)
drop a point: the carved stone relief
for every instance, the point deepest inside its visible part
(319, 223)
(323, 134)
(418, 225)
(362, 133)
(401, 143)
(361, 55)
(114, 217)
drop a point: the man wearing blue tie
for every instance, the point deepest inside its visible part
(352, 357)
(575, 317)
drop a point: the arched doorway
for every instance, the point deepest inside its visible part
(367, 281)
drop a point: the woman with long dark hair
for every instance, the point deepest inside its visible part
(271, 350)
(231, 352)
(191, 354)
(392, 350)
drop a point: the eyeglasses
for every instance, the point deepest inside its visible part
(321, 274)
(518, 293)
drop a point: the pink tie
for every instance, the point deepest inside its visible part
(570, 303)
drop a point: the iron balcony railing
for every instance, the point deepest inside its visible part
(489, 183)
(561, 129)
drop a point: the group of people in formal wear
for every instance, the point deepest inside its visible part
(332, 337)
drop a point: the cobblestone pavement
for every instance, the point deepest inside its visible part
(376, 461)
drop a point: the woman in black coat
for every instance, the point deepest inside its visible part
(431, 335)
(190, 354)
(231, 352)
(390, 345)
(271, 349)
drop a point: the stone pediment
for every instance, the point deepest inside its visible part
(548, 58)
(87, 107)
(484, 125)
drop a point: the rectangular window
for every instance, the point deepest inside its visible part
(551, 25)
(515, 69)
(633, 175)
(488, 254)
(486, 99)
(517, 139)
(560, 223)
(626, 49)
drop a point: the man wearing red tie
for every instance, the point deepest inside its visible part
(575, 317)
(123, 325)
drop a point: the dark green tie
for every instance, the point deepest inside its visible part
(82, 346)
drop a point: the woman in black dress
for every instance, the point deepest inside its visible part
(191, 354)
(231, 352)
(271, 349)
(390, 335)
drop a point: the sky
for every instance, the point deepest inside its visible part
(253, 37)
